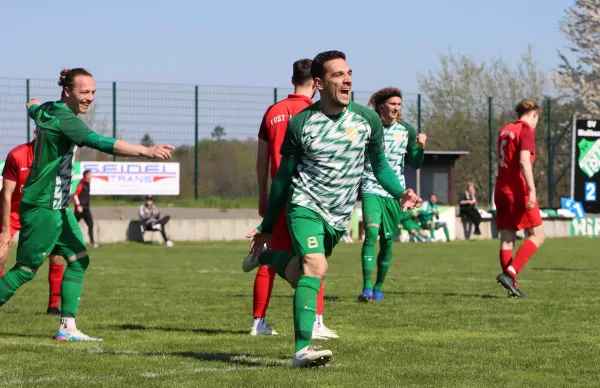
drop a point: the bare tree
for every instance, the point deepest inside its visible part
(581, 81)
(455, 113)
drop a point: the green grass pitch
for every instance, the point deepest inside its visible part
(179, 317)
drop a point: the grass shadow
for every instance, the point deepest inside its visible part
(21, 335)
(133, 326)
(562, 269)
(446, 294)
(247, 360)
(328, 298)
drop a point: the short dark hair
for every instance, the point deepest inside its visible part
(86, 172)
(317, 69)
(301, 73)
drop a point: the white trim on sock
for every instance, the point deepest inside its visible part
(67, 324)
(511, 270)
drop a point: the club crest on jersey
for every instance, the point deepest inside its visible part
(352, 133)
(399, 136)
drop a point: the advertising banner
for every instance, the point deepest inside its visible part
(586, 164)
(126, 178)
(589, 227)
(132, 178)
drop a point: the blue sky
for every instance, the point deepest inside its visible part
(254, 43)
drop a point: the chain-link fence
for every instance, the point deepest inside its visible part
(215, 129)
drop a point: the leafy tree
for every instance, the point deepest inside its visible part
(455, 112)
(218, 132)
(147, 140)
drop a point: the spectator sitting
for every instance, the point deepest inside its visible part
(150, 217)
(468, 207)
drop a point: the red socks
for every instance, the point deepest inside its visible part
(505, 258)
(263, 285)
(321, 299)
(523, 255)
(55, 275)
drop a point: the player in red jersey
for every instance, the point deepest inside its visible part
(271, 134)
(515, 195)
(16, 169)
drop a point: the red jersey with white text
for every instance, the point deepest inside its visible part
(16, 168)
(513, 139)
(275, 122)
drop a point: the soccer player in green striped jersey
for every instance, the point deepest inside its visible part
(428, 212)
(323, 159)
(381, 212)
(48, 227)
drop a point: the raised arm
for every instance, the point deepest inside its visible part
(416, 147)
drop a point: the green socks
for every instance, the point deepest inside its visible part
(305, 310)
(384, 259)
(432, 232)
(278, 260)
(72, 287)
(447, 233)
(12, 280)
(368, 255)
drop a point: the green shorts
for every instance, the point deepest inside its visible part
(409, 223)
(432, 224)
(47, 232)
(384, 212)
(310, 233)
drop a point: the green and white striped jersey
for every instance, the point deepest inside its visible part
(330, 152)
(400, 139)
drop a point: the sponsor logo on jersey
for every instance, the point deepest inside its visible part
(352, 133)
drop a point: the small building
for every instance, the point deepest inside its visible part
(436, 175)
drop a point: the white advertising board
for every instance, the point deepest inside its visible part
(132, 178)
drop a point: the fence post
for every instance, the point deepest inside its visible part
(274, 95)
(114, 113)
(27, 114)
(550, 157)
(352, 96)
(196, 145)
(490, 159)
(419, 112)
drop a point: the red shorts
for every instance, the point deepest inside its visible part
(15, 224)
(13, 231)
(281, 235)
(512, 213)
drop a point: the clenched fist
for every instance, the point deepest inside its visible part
(33, 101)
(421, 139)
